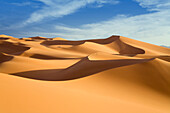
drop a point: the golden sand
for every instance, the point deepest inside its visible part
(112, 75)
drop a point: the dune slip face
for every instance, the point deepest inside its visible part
(55, 75)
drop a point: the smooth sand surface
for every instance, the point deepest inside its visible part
(112, 75)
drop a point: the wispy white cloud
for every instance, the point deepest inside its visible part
(156, 5)
(60, 8)
(101, 3)
(22, 4)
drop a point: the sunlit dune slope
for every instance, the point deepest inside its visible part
(54, 75)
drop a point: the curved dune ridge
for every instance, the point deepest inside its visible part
(112, 75)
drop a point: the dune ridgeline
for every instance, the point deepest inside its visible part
(112, 75)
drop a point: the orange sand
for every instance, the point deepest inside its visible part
(112, 75)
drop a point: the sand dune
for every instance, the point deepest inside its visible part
(112, 75)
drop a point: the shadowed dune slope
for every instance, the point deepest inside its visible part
(12, 48)
(4, 58)
(83, 68)
(112, 75)
(149, 48)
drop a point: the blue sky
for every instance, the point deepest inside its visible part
(145, 20)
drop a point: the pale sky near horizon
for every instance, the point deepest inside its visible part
(144, 20)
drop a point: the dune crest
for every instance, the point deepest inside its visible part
(112, 75)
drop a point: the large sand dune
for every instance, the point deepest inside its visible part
(112, 75)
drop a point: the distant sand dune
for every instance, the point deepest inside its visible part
(112, 75)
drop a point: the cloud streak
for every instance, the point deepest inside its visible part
(155, 5)
(60, 8)
(22, 4)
